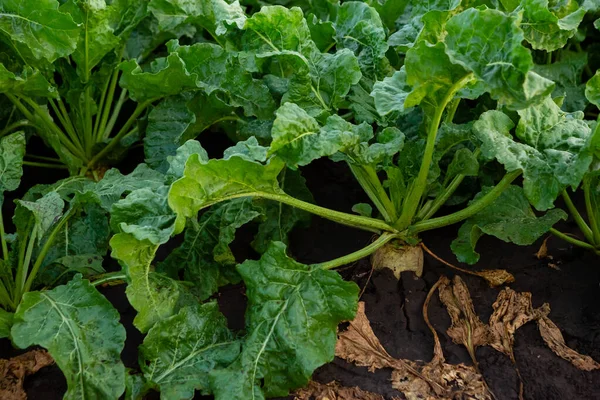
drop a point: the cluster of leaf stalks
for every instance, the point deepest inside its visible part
(428, 104)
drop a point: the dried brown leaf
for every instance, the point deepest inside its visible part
(466, 329)
(555, 340)
(496, 277)
(416, 380)
(459, 382)
(358, 344)
(14, 371)
(399, 259)
(512, 310)
(543, 250)
(334, 391)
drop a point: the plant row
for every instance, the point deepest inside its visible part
(479, 112)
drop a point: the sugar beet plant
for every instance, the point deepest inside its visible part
(485, 106)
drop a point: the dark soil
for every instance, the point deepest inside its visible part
(395, 307)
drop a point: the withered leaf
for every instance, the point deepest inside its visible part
(512, 310)
(334, 391)
(14, 371)
(359, 344)
(416, 380)
(555, 340)
(466, 329)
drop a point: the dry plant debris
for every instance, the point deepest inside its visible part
(435, 380)
(334, 391)
(14, 371)
(494, 277)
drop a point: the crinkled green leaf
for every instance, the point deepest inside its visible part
(555, 152)
(277, 41)
(179, 352)
(205, 184)
(110, 189)
(548, 27)
(292, 317)
(489, 43)
(509, 218)
(79, 246)
(431, 75)
(177, 162)
(414, 18)
(145, 214)
(390, 94)
(321, 32)
(359, 28)
(212, 15)
(154, 296)
(165, 77)
(177, 119)
(248, 149)
(592, 90)
(38, 216)
(388, 143)
(40, 27)
(202, 66)
(81, 331)
(6, 322)
(205, 256)
(216, 69)
(567, 74)
(298, 139)
(97, 36)
(12, 150)
(30, 83)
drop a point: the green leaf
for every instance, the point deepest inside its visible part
(205, 184)
(509, 218)
(38, 216)
(277, 41)
(359, 28)
(489, 43)
(205, 256)
(292, 317)
(202, 66)
(81, 331)
(249, 150)
(298, 139)
(592, 90)
(213, 15)
(363, 209)
(391, 93)
(165, 77)
(114, 185)
(6, 322)
(567, 74)
(280, 218)
(179, 352)
(549, 27)
(154, 296)
(12, 150)
(39, 26)
(413, 23)
(97, 36)
(555, 153)
(177, 119)
(177, 162)
(29, 83)
(145, 214)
